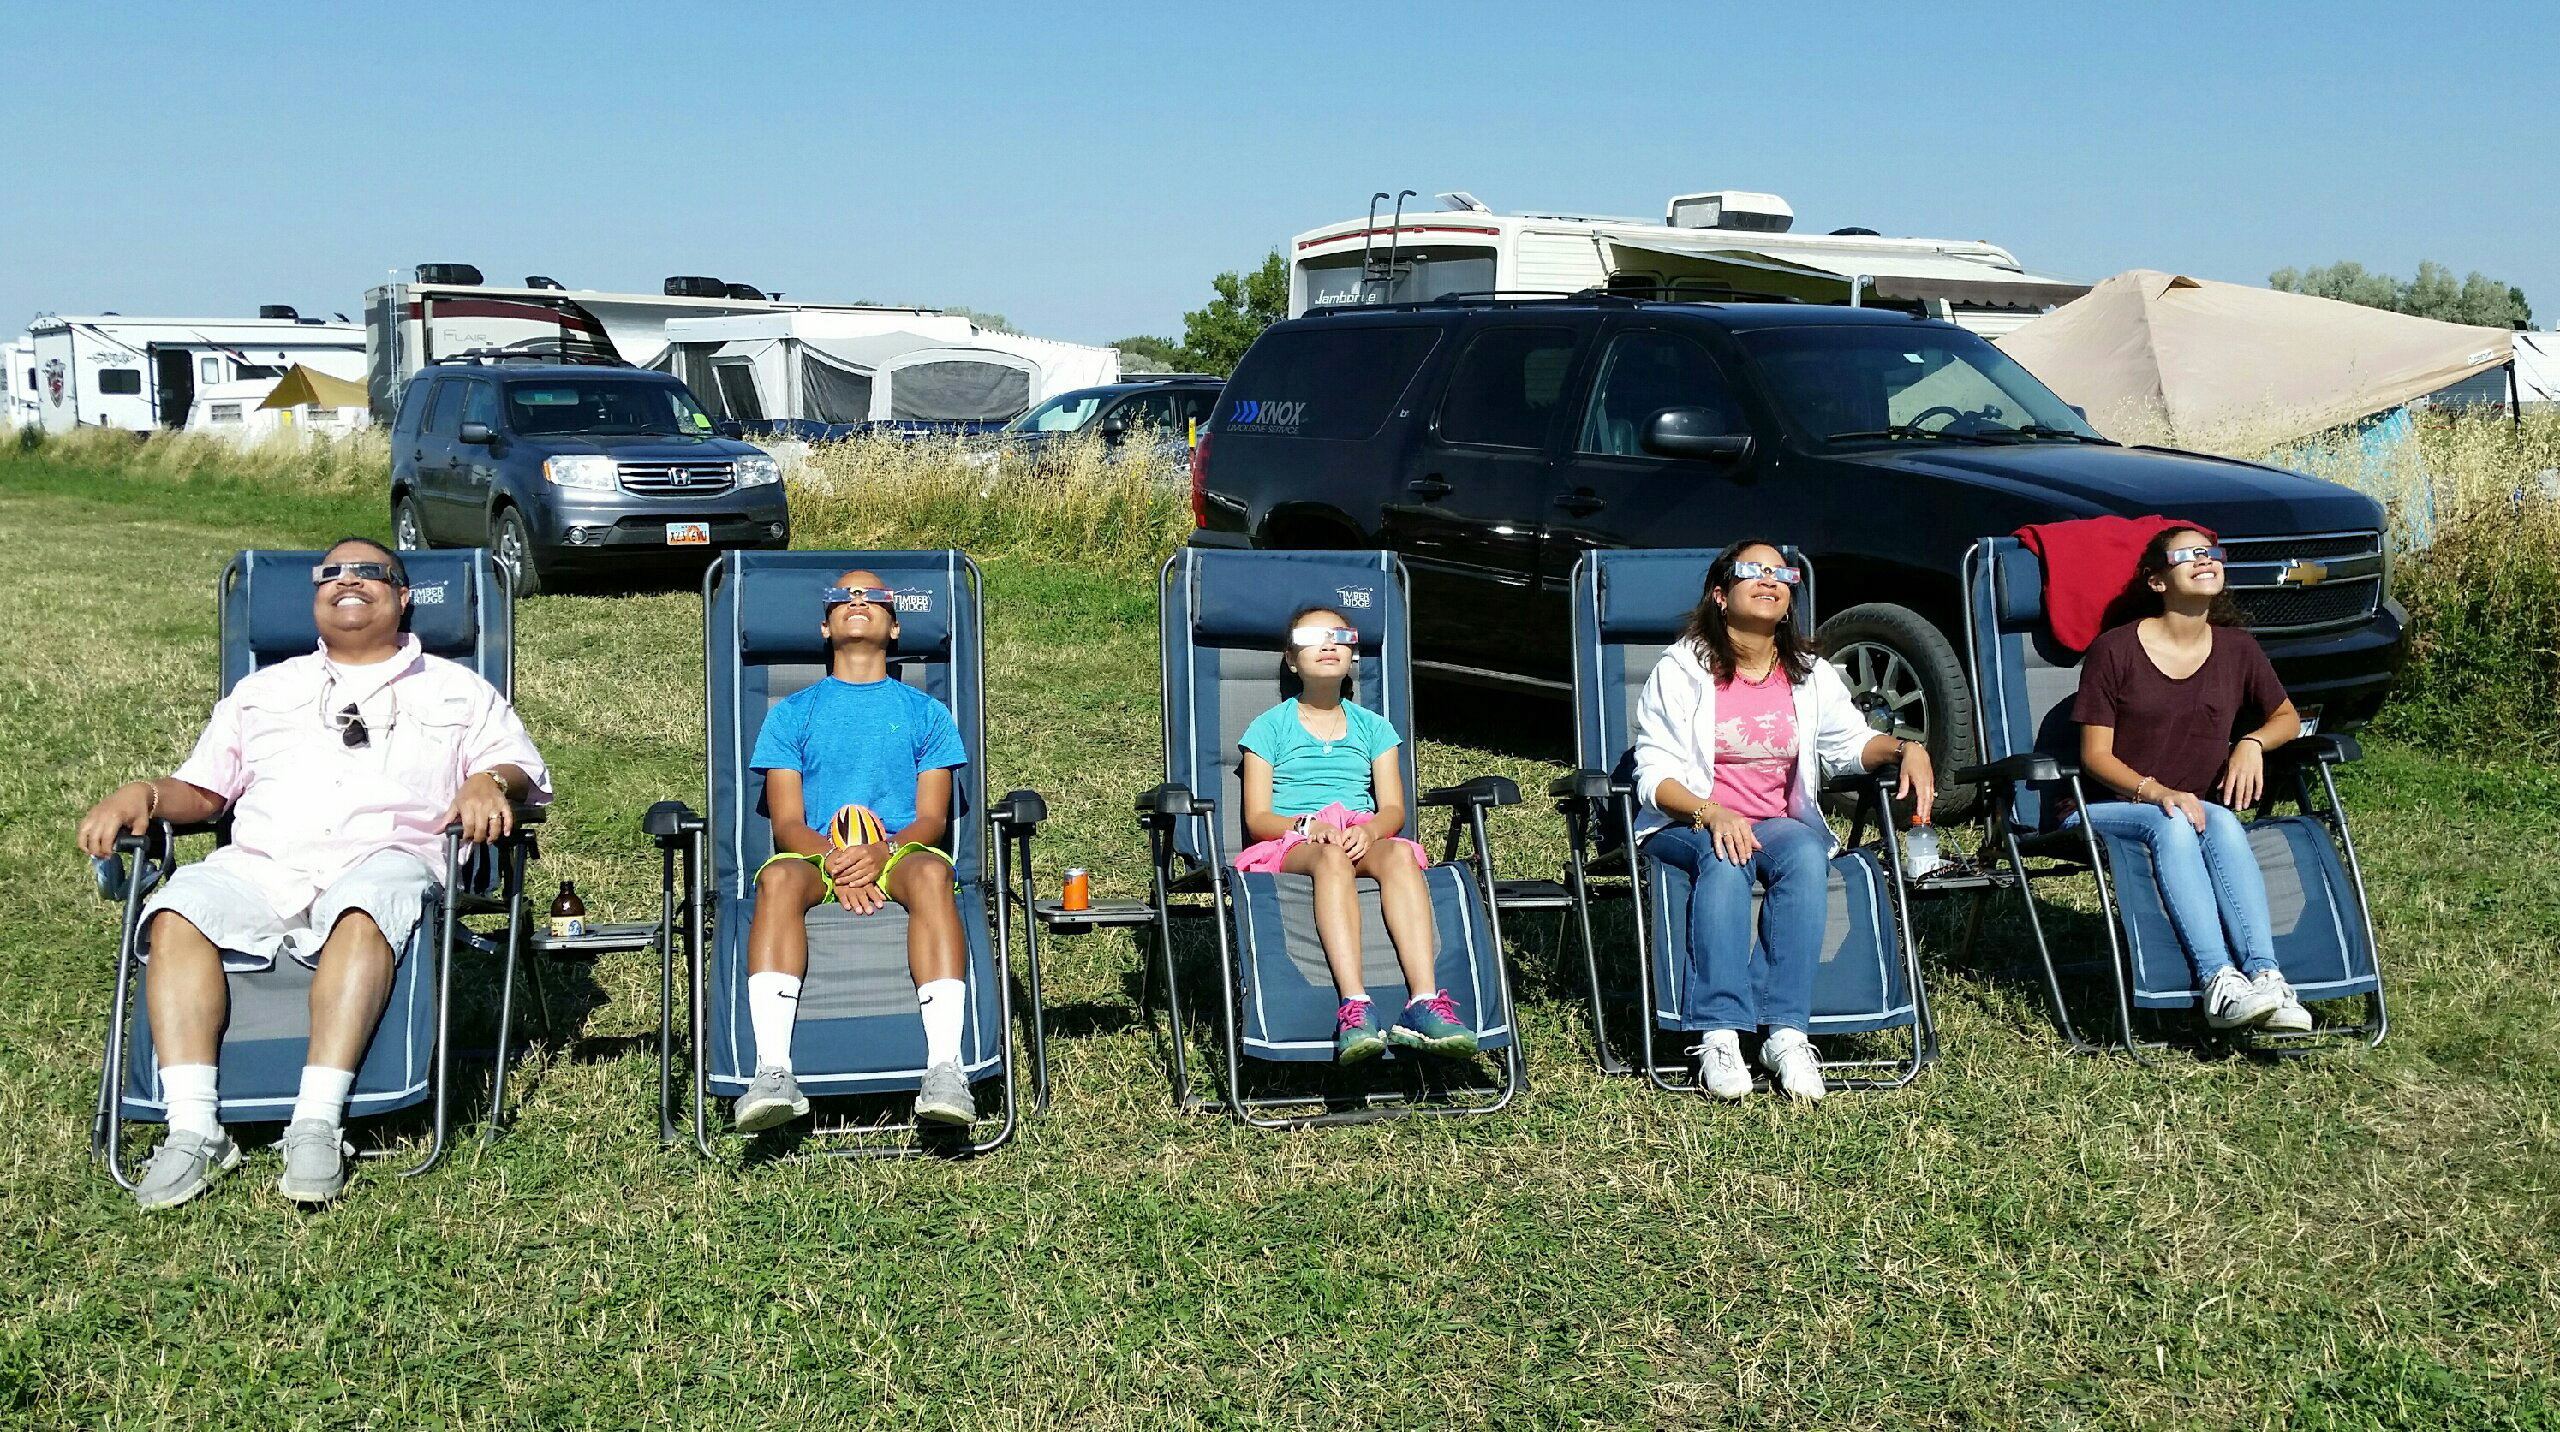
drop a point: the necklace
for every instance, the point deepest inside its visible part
(1329, 742)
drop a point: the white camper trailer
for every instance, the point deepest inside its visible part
(1718, 245)
(834, 368)
(19, 355)
(448, 311)
(143, 373)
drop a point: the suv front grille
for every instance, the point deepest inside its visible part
(675, 479)
(2299, 584)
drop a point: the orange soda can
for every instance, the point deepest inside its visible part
(1077, 892)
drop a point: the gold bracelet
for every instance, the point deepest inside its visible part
(1698, 817)
(2138, 785)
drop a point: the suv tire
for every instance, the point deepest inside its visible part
(408, 530)
(1895, 660)
(512, 543)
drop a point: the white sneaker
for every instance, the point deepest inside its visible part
(2232, 1002)
(2288, 1017)
(1790, 1059)
(1721, 1071)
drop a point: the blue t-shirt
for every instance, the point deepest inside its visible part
(1307, 774)
(859, 744)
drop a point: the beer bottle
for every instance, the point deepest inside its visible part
(568, 914)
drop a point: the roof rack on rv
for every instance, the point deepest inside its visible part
(563, 358)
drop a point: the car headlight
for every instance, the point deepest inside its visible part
(593, 473)
(757, 471)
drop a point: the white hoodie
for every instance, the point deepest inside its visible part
(1676, 736)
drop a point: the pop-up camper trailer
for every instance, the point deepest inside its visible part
(143, 373)
(817, 373)
(19, 355)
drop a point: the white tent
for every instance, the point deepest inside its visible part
(863, 367)
(2538, 369)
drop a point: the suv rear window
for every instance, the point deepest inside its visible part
(1325, 381)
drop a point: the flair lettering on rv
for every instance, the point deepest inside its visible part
(1266, 416)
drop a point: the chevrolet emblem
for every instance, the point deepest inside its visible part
(2303, 574)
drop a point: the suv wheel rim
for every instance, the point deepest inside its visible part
(1887, 688)
(404, 530)
(510, 546)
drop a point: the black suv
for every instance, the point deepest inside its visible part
(1491, 443)
(569, 468)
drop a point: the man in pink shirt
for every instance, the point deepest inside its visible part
(340, 771)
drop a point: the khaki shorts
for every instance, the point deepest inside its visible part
(389, 886)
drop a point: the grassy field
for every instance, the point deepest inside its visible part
(2366, 1240)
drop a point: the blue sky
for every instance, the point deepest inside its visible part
(1085, 172)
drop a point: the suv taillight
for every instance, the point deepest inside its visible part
(1200, 482)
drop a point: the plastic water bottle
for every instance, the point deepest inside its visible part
(1920, 849)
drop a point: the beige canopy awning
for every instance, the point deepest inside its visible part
(302, 387)
(2161, 358)
(1905, 278)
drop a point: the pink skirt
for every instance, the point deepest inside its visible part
(1266, 855)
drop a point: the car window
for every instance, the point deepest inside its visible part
(1152, 410)
(482, 405)
(1196, 406)
(1644, 373)
(442, 419)
(1325, 379)
(1064, 413)
(1860, 379)
(1507, 386)
(604, 407)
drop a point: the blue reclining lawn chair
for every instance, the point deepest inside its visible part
(2024, 686)
(460, 610)
(858, 1031)
(1222, 616)
(1628, 607)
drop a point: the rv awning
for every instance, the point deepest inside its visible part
(302, 387)
(1907, 278)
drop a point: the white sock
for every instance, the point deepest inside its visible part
(1417, 999)
(773, 1006)
(324, 1094)
(945, 1004)
(189, 1088)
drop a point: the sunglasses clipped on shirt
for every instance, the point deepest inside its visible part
(1754, 571)
(835, 597)
(1307, 636)
(328, 572)
(351, 728)
(2181, 556)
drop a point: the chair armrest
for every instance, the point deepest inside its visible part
(2328, 748)
(669, 820)
(2024, 766)
(1481, 791)
(1020, 811)
(1859, 781)
(1588, 785)
(524, 815)
(1172, 799)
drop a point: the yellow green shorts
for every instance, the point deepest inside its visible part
(827, 883)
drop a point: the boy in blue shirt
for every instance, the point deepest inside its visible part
(857, 737)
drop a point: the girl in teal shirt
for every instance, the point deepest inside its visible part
(1320, 773)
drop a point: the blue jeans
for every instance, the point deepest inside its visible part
(1734, 982)
(2211, 884)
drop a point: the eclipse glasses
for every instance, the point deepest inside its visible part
(328, 572)
(2181, 556)
(1307, 636)
(1754, 571)
(835, 597)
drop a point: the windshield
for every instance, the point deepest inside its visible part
(604, 407)
(1062, 414)
(1863, 384)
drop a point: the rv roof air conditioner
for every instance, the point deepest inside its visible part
(277, 310)
(1732, 209)
(535, 280)
(696, 286)
(461, 274)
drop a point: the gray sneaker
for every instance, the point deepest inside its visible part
(2288, 1017)
(315, 1162)
(774, 1099)
(944, 1096)
(2231, 1001)
(185, 1165)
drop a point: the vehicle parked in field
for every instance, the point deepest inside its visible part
(574, 468)
(1168, 407)
(1492, 443)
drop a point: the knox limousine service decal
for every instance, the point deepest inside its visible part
(1261, 415)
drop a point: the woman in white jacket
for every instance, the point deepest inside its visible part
(1738, 726)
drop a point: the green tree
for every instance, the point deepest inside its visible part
(2433, 293)
(1144, 354)
(1214, 338)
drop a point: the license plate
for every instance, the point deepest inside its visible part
(688, 534)
(2310, 721)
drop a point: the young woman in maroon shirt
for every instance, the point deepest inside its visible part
(2160, 699)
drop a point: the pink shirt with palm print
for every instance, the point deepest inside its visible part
(1755, 746)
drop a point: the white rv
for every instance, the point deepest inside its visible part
(1719, 245)
(447, 310)
(19, 356)
(833, 367)
(143, 373)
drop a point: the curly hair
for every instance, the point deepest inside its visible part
(1706, 634)
(2137, 600)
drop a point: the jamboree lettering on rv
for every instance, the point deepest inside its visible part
(1267, 416)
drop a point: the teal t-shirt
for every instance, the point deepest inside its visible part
(1307, 774)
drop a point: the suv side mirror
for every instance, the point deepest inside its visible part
(732, 428)
(477, 434)
(1694, 433)
(1113, 427)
